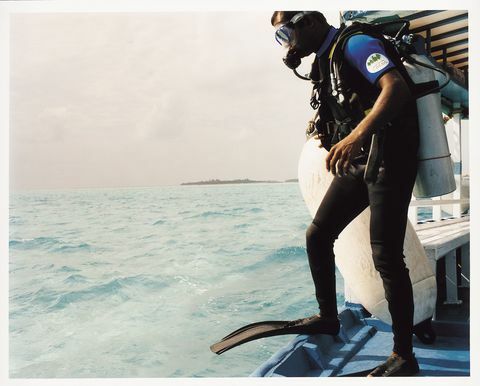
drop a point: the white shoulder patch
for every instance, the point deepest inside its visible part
(376, 62)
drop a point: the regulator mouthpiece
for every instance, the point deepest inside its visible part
(292, 60)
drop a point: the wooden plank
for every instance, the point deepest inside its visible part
(443, 249)
(441, 238)
(444, 236)
(430, 236)
(455, 239)
(442, 230)
(438, 251)
(448, 233)
(442, 223)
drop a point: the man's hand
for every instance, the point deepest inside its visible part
(341, 154)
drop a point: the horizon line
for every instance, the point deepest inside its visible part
(181, 184)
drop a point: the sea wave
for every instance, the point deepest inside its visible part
(51, 244)
(255, 210)
(54, 299)
(242, 226)
(69, 248)
(287, 253)
(33, 243)
(16, 220)
(114, 287)
(243, 210)
(290, 253)
(210, 213)
(66, 268)
(75, 279)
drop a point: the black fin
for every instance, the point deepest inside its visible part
(311, 325)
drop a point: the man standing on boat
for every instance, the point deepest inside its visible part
(375, 80)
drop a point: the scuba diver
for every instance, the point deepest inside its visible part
(374, 100)
(367, 121)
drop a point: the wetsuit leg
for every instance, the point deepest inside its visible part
(389, 200)
(346, 197)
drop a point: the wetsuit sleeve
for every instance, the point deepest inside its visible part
(368, 56)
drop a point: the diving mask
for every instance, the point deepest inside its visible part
(284, 35)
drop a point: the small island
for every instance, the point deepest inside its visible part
(221, 182)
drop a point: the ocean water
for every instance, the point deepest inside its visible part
(140, 282)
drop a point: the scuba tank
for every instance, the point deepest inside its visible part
(435, 169)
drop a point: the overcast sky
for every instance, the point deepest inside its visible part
(146, 99)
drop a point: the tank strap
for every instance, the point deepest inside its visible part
(431, 158)
(422, 89)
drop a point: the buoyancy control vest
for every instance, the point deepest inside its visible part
(341, 94)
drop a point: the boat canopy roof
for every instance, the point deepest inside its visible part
(446, 41)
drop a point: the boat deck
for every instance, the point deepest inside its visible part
(448, 356)
(364, 341)
(363, 344)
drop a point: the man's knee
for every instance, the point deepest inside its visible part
(313, 233)
(388, 261)
(318, 237)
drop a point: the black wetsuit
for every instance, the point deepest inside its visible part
(388, 199)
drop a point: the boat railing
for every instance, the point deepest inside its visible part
(440, 208)
(446, 239)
